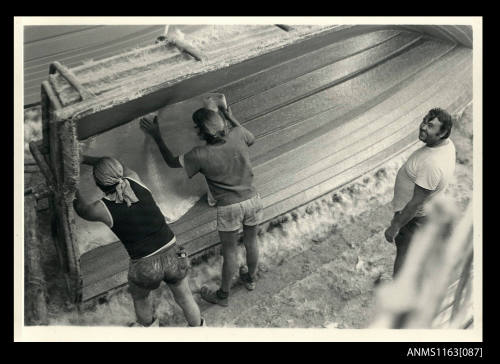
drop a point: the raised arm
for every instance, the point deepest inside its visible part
(420, 195)
(93, 211)
(228, 114)
(151, 127)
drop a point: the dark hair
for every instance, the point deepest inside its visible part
(444, 118)
(203, 116)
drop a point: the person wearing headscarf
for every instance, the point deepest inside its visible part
(108, 174)
(130, 211)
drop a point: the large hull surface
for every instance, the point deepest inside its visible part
(321, 118)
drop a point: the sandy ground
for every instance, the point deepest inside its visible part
(319, 264)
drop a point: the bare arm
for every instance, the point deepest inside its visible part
(228, 114)
(151, 127)
(420, 195)
(90, 211)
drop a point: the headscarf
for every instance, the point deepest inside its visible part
(108, 172)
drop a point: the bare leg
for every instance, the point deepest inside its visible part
(229, 241)
(184, 298)
(144, 310)
(252, 249)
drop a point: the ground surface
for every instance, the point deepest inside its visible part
(319, 264)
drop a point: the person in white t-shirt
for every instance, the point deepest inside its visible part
(425, 174)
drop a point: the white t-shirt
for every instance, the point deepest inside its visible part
(430, 168)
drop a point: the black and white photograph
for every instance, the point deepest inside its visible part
(221, 174)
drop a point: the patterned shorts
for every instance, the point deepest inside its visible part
(146, 274)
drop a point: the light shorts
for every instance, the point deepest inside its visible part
(233, 217)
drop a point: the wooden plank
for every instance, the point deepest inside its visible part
(343, 133)
(351, 92)
(90, 259)
(285, 93)
(102, 262)
(272, 154)
(303, 64)
(339, 114)
(71, 79)
(104, 285)
(201, 213)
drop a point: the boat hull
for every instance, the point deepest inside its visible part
(324, 111)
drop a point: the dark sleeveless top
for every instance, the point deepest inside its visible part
(141, 227)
